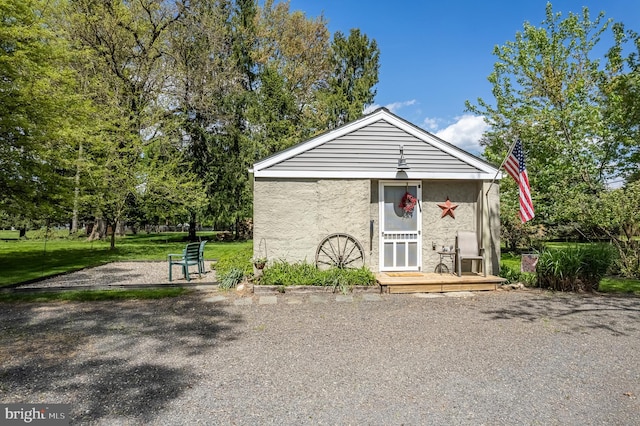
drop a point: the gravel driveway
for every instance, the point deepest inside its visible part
(522, 357)
(122, 274)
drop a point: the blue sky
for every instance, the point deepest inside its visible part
(434, 55)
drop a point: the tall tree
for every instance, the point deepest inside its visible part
(234, 144)
(38, 111)
(200, 52)
(621, 94)
(293, 61)
(350, 88)
(246, 82)
(128, 40)
(546, 85)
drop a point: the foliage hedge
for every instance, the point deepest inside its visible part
(513, 275)
(578, 268)
(304, 273)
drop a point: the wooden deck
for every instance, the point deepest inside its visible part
(420, 282)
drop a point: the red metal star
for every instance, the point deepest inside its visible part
(447, 208)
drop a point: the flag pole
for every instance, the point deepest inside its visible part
(501, 165)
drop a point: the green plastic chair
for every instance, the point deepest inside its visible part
(190, 256)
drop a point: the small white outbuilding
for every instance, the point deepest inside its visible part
(392, 190)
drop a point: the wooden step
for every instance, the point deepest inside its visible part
(417, 282)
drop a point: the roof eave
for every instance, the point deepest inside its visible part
(390, 175)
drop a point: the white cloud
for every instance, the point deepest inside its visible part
(431, 124)
(465, 133)
(393, 107)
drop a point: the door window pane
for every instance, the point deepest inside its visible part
(400, 254)
(394, 216)
(388, 255)
(413, 254)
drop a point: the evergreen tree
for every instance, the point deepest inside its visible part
(350, 88)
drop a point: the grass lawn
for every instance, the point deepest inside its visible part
(619, 285)
(92, 295)
(9, 235)
(30, 259)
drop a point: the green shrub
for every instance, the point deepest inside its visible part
(304, 273)
(513, 275)
(627, 262)
(578, 268)
(231, 278)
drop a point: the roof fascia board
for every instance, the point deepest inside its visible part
(303, 174)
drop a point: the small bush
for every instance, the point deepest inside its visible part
(231, 279)
(304, 273)
(627, 262)
(577, 268)
(513, 275)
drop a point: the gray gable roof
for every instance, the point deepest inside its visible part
(369, 148)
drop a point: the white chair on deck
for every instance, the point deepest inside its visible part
(467, 248)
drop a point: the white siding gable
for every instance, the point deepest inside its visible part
(370, 148)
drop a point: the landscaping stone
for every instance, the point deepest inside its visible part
(459, 294)
(366, 289)
(214, 299)
(267, 289)
(428, 295)
(371, 297)
(268, 300)
(304, 289)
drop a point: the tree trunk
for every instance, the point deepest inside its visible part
(98, 231)
(23, 232)
(113, 237)
(76, 195)
(192, 227)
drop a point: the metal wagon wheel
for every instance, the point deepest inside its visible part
(441, 268)
(340, 250)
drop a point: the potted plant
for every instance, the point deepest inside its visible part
(259, 262)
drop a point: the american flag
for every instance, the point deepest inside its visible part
(516, 168)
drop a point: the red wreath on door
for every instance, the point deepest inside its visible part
(408, 203)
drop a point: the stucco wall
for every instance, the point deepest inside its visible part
(291, 217)
(442, 230)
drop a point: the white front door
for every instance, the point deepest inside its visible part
(400, 226)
